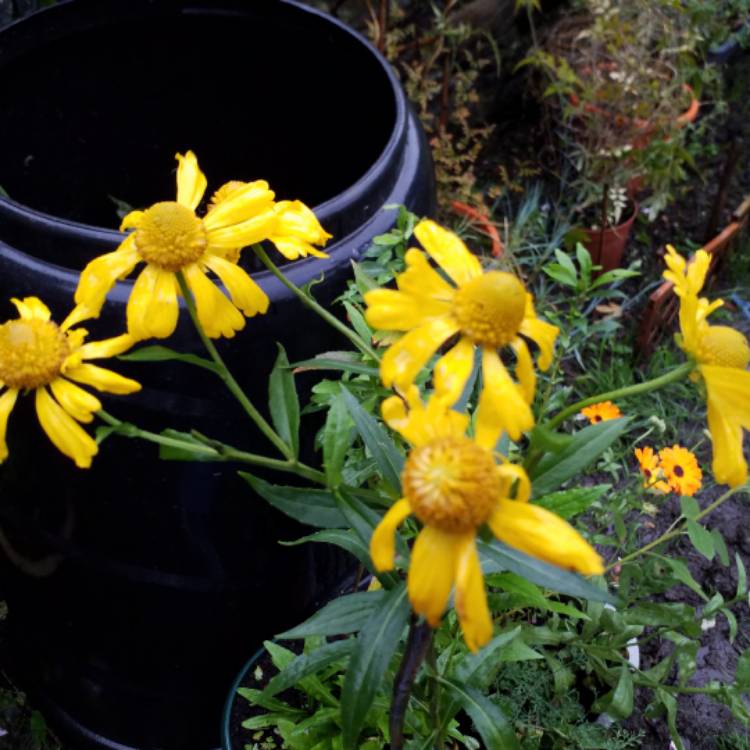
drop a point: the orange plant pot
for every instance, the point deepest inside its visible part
(607, 246)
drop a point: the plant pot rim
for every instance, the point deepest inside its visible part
(226, 714)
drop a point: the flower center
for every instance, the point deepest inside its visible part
(490, 308)
(452, 484)
(725, 347)
(170, 236)
(679, 471)
(31, 352)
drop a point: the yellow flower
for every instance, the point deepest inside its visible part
(652, 473)
(601, 412)
(490, 310)
(681, 469)
(722, 355)
(453, 485)
(36, 354)
(170, 237)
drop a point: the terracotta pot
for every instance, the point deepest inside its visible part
(607, 246)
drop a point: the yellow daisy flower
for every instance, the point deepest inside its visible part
(169, 237)
(681, 469)
(722, 355)
(490, 310)
(651, 470)
(453, 485)
(601, 412)
(36, 354)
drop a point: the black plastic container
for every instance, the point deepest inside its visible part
(137, 588)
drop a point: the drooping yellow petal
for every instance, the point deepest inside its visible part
(131, 220)
(391, 310)
(383, 541)
(422, 280)
(106, 347)
(245, 293)
(64, 432)
(502, 407)
(217, 315)
(241, 204)
(432, 571)
(102, 379)
(255, 229)
(78, 403)
(30, 308)
(449, 251)
(544, 535)
(293, 248)
(471, 598)
(7, 402)
(403, 360)
(297, 230)
(515, 474)
(543, 334)
(524, 369)
(453, 369)
(152, 309)
(191, 182)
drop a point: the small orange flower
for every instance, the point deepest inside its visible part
(651, 470)
(681, 470)
(601, 412)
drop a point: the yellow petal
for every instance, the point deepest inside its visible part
(30, 308)
(7, 402)
(100, 276)
(432, 570)
(242, 203)
(102, 379)
(541, 534)
(422, 280)
(449, 251)
(543, 334)
(391, 310)
(64, 432)
(245, 233)
(292, 247)
(78, 403)
(502, 407)
(153, 310)
(245, 293)
(514, 474)
(295, 219)
(471, 599)
(217, 315)
(106, 347)
(383, 541)
(524, 369)
(404, 359)
(453, 369)
(131, 220)
(191, 182)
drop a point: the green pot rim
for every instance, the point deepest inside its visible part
(226, 737)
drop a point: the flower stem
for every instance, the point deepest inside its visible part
(631, 390)
(308, 300)
(228, 378)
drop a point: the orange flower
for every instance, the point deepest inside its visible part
(681, 470)
(651, 470)
(601, 412)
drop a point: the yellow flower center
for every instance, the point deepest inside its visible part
(725, 347)
(170, 236)
(31, 352)
(452, 484)
(490, 308)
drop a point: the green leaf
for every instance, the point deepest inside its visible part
(701, 538)
(309, 506)
(587, 445)
(158, 353)
(283, 402)
(494, 727)
(174, 453)
(689, 507)
(742, 671)
(343, 361)
(561, 275)
(585, 264)
(741, 576)
(502, 557)
(377, 441)
(619, 702)
(479, 670)
(517, 650)
(549, 441)
(346, 614)
(307, 664)
(569, 503)
(337, 437)
(670, 703)
(358, 322)
(375, 646)
(347, 539)
(527, 594)
(681, 573)
(721, 547)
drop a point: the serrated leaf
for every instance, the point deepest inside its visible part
(569, 503)
(375, 646)
(502, 557)
(346, 614)
(283, 402)
(159, 353)
(701, 538)
(377, 441)
(307, 505)
(345, 538)
(338, 435)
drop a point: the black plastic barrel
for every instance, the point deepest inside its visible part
(138, 588)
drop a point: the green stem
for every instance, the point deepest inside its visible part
(435, 698)
(631, 390)
(228, 378)
(308, 300)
